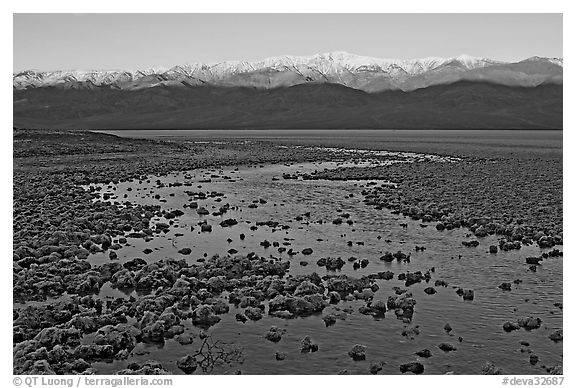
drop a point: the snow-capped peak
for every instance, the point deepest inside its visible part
(471, 62)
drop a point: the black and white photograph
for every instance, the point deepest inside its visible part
(287, 194)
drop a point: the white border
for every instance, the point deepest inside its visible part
(297, 6)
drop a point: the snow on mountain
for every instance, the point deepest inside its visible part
(362, 72)
(555, 61)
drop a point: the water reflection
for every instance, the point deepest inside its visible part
(307, 209)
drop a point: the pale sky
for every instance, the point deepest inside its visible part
(130, 41)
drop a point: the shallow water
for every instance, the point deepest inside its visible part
(478, 322)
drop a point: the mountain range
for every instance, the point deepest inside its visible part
(369, 74)
(333, 90)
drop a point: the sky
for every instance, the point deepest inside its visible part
(131, 41)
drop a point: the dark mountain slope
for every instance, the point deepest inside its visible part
(462, 104)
